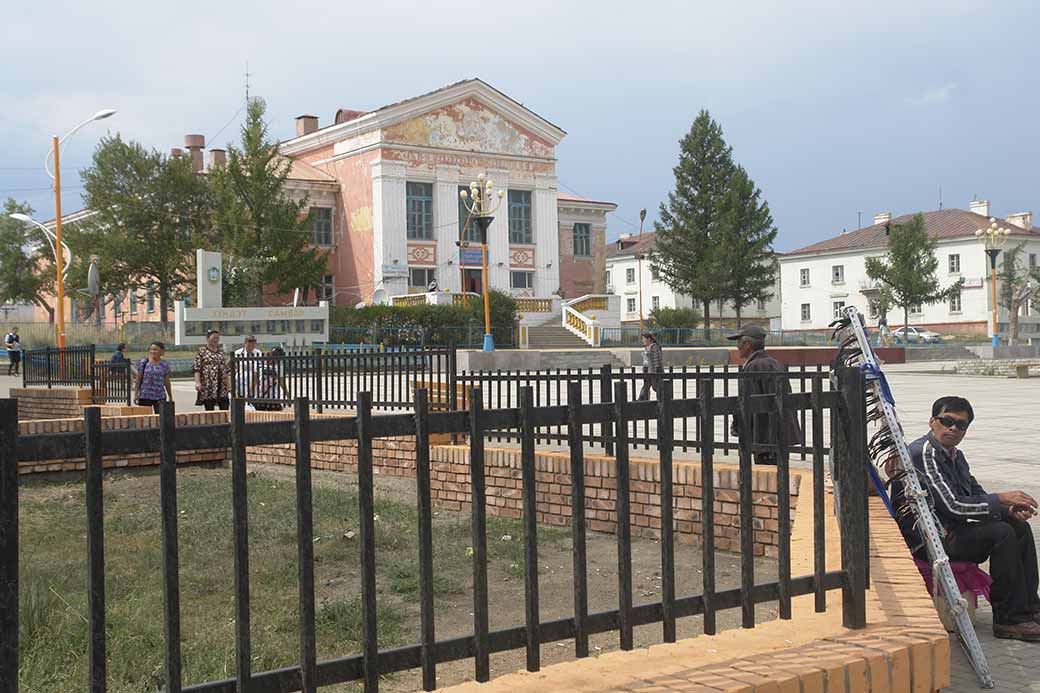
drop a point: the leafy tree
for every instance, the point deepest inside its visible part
(151, 212)
(908, 268)
(1017, 286)
(689, 252)
(674, 318)
(264, 233)
(748, 239)
(27, 271)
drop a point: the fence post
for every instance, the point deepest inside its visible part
(129, 385)
(48, 368)
(453, 381)
(317, 380)
(606, 396)
(8, 546)
(849, 452)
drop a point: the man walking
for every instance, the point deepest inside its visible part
(762, 380)
(653, 366)
(14, 351)
(247, 367)
(979, 526)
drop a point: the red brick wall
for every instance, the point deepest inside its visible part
(109, 423)
(58, 403)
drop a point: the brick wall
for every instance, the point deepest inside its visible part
(109, 423)
(58, 403)
(450, 487)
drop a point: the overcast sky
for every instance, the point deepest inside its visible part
(833, 109)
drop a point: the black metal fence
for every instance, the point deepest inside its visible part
(50, 367)
(527, 420)
(549, 388)
(336, 380)
(112, 383)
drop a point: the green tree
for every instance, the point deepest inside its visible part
(1017, 285)
(908, 268)
(151, 212)
(673, 318)
(748, 243)
(265, 234)
(27, 270)
(689, 253)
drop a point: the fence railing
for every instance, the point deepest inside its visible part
(630, 336)
(549, 388)
(336, 380)
(112, 383)
(526, 419)
(463, 336)
(68, 367)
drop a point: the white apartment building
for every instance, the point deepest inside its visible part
(623, 279)
(820, 279)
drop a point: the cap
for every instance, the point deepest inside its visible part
(752, 331)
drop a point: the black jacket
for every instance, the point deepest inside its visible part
(953, 492)
(762, 426)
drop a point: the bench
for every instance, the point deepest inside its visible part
(1020, 370)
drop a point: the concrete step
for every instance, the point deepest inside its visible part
(553, 337)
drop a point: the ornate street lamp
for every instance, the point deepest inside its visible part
(639, 265)
(995, 237)
(481, 204)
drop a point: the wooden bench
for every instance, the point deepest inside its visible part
(1021, 370)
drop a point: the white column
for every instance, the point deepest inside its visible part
(498, 235)
(446, 220)
(546, 237)
(389, 235)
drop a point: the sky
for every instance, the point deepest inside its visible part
(834, 108)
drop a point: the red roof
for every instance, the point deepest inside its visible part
(624, 247)
(941, 224)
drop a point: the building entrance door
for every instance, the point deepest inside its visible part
(472, 281)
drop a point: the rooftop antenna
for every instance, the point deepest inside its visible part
(247, 82)
(859, 220)
(940, 198)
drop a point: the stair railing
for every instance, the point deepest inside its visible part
(586, 328)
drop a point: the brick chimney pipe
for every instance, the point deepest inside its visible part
(217, 158)
(306, 124)
(195, 144)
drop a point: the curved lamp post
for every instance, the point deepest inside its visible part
(58, 245)
(481, 204)
(995, 237)
(639, 265)
(51, 239)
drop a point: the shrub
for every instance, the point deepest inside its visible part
(674, 318)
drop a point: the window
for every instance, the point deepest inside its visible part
(873, 307)
(321, 225)
(630, 305)
(955, 301)
(761, 304)
(607, 278)
(327, 288)
(420, 277)
(472, 232)
(630, 275)
(133, 303)
(655, 302)
(150, 297)
(520, 217)
(837, 274)
(117, 305)
(803, 276)
(582, 240)
(806, 313)
(838, 307)
(654, 274)
(955, 263)
(1032, 260)
(419, 202)
(521, 280)
(101, 307)
(915, 309)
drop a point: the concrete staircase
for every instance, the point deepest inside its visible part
(553, 336)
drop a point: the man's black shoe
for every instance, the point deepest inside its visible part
(1028, 631)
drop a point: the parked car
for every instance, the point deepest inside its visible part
(916, 335)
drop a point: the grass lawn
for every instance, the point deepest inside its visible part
(53, 599)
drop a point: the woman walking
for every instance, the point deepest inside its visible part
(212, 374)
(153, 387)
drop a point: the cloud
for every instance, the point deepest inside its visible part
(934, 96)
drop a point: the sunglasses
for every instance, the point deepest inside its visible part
(950, 422)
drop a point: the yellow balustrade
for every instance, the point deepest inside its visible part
(410, 300)
(534, 305)
(590, 303)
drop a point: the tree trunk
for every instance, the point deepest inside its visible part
(738, 315)
(164, 304)
(707, 319)
(906, 323)
(1013, 318)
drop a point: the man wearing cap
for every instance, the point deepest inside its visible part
(248, 366)
(751, 343)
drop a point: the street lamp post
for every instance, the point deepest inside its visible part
(639, 264)
(58, 245)
(994, 236)
(481, 205)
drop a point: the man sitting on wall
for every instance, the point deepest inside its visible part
(978, 526)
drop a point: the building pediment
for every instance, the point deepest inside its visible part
(470, 115)
(469, 125)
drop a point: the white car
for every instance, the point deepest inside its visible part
(916, 335)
